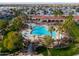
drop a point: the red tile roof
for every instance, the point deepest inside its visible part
(76, 17)
(49, 17)
(54, 17)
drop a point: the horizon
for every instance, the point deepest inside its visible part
(43, 3)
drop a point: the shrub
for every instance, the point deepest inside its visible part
(12, 41)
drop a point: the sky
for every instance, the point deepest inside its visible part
(40, 1)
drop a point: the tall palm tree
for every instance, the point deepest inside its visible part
(51, 29)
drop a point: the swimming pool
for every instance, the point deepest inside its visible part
(41, 30)
(54, 35)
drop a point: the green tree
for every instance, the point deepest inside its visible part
(51, 29)
(12, 41)
(16, 23)
(47, 40)
(57, 12)
(17, 12)
(3, 24)
(71, 27)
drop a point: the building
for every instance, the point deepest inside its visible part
(52, 19)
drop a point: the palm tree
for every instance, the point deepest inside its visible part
(51, 29)
(57, 12)
(47, 43)
(71, 27)
(60, 12)
(67, 23)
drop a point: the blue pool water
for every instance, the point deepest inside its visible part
(41, 30)
(54, 34)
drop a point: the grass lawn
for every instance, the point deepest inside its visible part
(72, 50)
